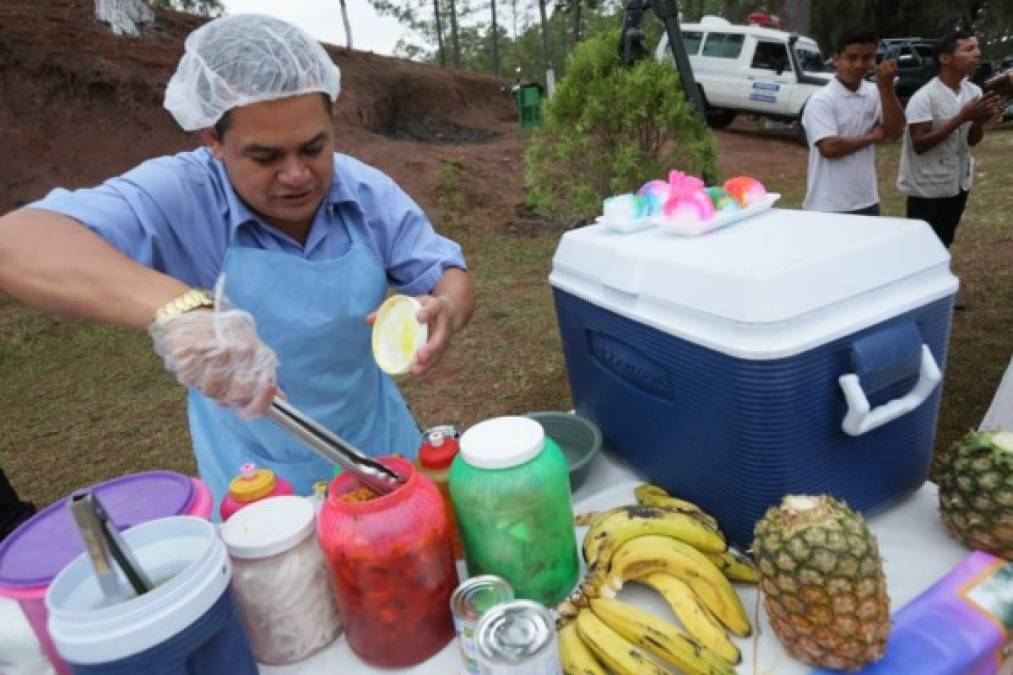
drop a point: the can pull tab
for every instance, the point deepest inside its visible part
(105, 546)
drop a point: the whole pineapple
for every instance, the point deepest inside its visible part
(976, 492)
(822, 582)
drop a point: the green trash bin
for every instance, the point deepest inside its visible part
(529, 105)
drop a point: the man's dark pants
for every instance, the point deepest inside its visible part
(867, 211)
(942, 213)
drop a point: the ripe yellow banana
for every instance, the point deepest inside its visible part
(735, 566)
(653, 553)
(660, 638)
(694, 617)
(652, 495)
(630, 522)
(576, 658)
(626, 522)
(617, 653)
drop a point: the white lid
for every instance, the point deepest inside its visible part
(268, 527)
(770, 286)
(502, 442)
(397, 334)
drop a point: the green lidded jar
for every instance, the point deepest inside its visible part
(511, 493)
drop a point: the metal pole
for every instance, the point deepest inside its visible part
(668, 12)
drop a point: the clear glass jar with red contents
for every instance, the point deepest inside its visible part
(393, 571)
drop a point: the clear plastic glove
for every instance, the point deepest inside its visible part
(219, 354)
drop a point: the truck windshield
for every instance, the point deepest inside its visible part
(810, 59)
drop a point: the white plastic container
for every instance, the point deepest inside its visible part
(280, 579)
(186, 623)
(791, 352)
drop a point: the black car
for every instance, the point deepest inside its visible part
(916, 65)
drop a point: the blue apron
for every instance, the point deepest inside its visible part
(312, 313)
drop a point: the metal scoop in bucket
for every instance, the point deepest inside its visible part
(332, 447)
(106, 547)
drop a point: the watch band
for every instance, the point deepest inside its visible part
(191, 299)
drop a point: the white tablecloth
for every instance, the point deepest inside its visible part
(915, 547)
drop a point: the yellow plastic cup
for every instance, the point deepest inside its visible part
(397, 334)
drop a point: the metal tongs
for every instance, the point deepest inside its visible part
(106, 546)
(332, 447)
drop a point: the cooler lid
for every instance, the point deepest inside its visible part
(780, 266)
(43, 545)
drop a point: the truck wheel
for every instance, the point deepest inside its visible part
(800, 130)
(719, 118)
(800, 134)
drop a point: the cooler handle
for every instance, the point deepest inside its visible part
(861, 418)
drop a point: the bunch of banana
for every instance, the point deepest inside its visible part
(623, 639)
(676, 548)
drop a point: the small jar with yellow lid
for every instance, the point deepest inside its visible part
(252, 484)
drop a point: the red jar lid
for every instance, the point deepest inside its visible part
(438, 451)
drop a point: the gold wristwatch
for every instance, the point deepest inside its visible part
(193, 298)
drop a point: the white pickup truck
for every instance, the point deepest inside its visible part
(750, 69)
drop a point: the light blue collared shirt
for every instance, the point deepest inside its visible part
(176, 214)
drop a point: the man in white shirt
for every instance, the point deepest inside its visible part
(843, 121)
(945, 118)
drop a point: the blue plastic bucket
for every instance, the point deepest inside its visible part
(187, 625)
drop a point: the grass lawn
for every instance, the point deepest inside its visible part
(83, 402)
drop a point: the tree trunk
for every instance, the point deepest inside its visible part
(545, 35)
(124, 16)
(455, 44)
(439, 33)
(347, 23)
(732, 10)
(495, 40)
(797, 16)
(576, 21)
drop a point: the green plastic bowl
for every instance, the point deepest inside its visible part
(580, 439)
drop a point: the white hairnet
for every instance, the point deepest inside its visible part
(243, 59)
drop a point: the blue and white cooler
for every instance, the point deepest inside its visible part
(793, 352)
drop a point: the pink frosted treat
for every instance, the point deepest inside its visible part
(688, 209)
(746, 190)
(681, 183)
(656, 193)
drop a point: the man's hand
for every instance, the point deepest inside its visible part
(877, 133)
(219, 354)
(885, 72)
(437, 314)
(980, 109)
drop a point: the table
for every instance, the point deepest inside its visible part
(913, 543)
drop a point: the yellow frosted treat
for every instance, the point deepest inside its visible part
(397, 334)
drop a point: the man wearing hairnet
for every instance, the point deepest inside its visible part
(302, 244)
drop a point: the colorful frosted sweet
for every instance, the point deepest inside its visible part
(688, 209)
(681, 183)
(722, 200)
(623, 208)
(656, 193)
(746, 190)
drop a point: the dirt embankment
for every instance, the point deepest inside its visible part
(79, 104)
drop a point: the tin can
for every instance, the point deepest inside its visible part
(473, 598)
(517, 638)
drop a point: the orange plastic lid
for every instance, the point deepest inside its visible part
(252, 483)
